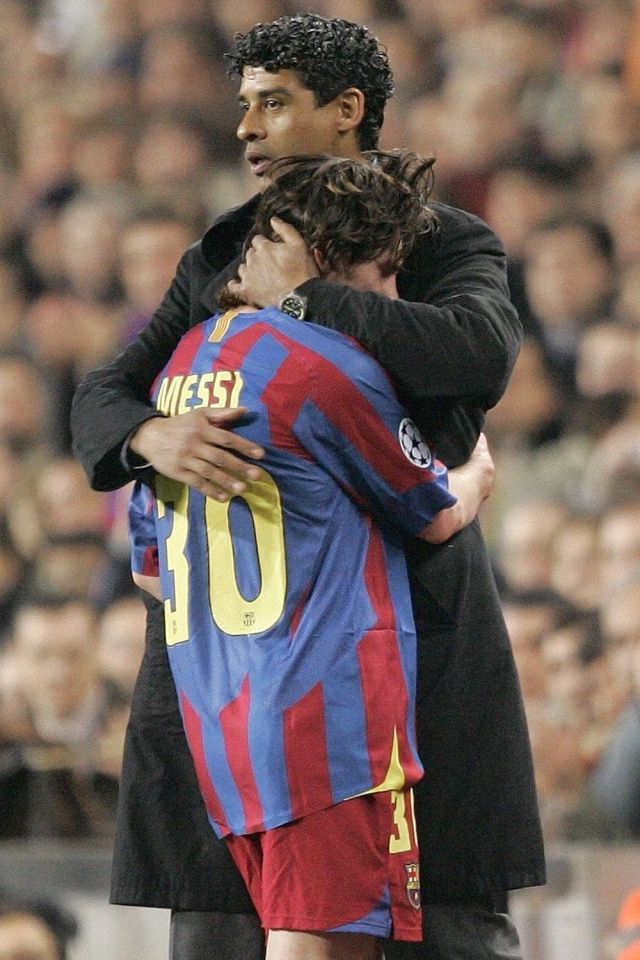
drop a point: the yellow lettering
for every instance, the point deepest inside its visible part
(204, 393)
(232, 612)
(174, 497)
(401, 842)
(220, 392)
(238, 384)
(168, 395)
(220, 389)
(186, 393)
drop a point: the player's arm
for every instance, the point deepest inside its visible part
(353, 424)
(470, 484)
(145, 570)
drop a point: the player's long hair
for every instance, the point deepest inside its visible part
(351, 211)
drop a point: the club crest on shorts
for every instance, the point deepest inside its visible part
(413, 446)
(413, 884)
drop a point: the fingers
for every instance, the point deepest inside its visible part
(481, 443)
(200, 449)
(286, 231)
(212, 481)
(223, 439)
(216, 472)
(214, 460)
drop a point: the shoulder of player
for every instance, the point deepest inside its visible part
(332, 359)
(190, 343)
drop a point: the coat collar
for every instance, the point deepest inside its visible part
(228, 230)
(222, 241)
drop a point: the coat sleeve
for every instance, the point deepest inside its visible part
(114, 399)
(453, 334)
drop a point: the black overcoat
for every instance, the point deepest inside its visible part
(449, 344)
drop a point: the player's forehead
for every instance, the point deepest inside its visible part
(258, 83)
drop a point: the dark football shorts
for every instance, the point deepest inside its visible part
(351, 868)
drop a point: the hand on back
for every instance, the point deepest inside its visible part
(199, 448)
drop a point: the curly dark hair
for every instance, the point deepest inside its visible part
(328, 55)
(352, 211)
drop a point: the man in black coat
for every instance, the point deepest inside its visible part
(449, 343)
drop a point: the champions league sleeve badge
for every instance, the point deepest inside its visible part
(413, 884)
(413, 446)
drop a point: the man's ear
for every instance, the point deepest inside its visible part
(351, 106)
(321, 260)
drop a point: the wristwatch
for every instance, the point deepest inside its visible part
(293, 304)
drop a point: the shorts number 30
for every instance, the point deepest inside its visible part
(233, 613)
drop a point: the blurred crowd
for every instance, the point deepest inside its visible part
(117, 148)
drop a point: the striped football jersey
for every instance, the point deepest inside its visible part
(287, 610)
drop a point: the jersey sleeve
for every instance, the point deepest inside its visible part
(143, 536)
(355, 427)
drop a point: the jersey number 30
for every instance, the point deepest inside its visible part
(233, 613)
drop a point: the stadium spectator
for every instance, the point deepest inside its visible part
(89, 228)
(615, 782)
(627, 301)
(530, 615)
(25, 407)
(12, 305)
(620, 206)
(102, 151)
(181, 64)
(13, 572)
(151, 244)
(575, 569)
(55, 787)
(34, 929)
(523, 192)
(172, 162)
(608, 123)
(525, 542)
(568, 277)
(619, 544)
(76, 564)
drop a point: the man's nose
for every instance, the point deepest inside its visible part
(250, 128)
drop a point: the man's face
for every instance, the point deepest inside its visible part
(25, 937)
(281, 118)
(55, 657)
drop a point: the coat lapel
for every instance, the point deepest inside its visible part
(223, 240)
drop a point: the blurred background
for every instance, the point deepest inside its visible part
(117, 149)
